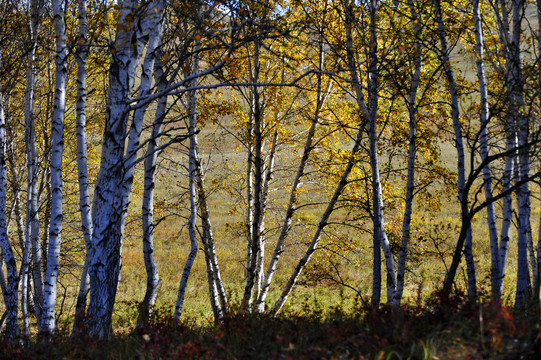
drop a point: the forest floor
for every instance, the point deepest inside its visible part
(453, 329)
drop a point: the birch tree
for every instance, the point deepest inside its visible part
(516, 173)
(192, 111)
(153, 277)
(12, 284)
(49, 303)
(322, 94)
(262, 174)
(369, 111)
(516, 109)
(111, 195)
(499, 245)
(218, 296)
(81, 56)
(412, 105)
(458, 139)
(537, 287)
(323, 221)
(32, 216)
(502, 21)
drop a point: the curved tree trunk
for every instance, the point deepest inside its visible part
(472, 287)
(322, 224)
(153, 277)
(267, 178)
(218, 298)
(291, 207)
(193, 199)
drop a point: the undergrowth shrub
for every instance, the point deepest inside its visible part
(442, 327)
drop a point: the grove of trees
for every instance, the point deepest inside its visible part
(346, 118)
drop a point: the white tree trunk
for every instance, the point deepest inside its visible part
(531, 254)
(249, 191)
(3, 283)
(369, 114)
(537, 288)
(516, 104)
(257, 115)
(412, 151)
(472, 287)
(32, 216)
(82, 163)
(293, 196)
(57, 150)
(517, 137)
(193, 199)
(507, 214)
(109, 206)
(153, 277)
(207, 239)
(12, 286)
(216, 286)
(148, 67)
(502, 19)
(267, 178)
(487, 174)
(349, 22)
(380, 236)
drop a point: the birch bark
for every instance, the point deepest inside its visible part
(249, 189)
(148, 67)
(361, 103)
(257, 111)
(193, 199)
(113, 184)
(216, 286)
(380, 236)
(517, 126)
(153, 277)
(467, 247)
(502, 19)
(370, 112)
(11, 300)
(507, 215)
(516, 103)
(487, 173)
(57, 150)
(412, 152)
(293, 196)
(268, 174)
(32, 217)
(218, 297)
(82, 163)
